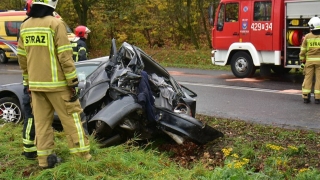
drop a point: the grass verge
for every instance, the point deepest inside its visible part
(195, 59)
(248, 151)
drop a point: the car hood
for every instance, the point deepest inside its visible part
(9, 86)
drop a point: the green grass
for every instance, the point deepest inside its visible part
(195, 59)
(248, 151)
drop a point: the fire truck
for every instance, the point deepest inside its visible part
(260, 34)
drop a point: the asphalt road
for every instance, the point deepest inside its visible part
(10, 72)
(274, 100)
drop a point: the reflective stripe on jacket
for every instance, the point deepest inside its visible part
(45, 55)
(310, 48)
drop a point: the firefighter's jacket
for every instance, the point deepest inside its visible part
(310, 48)
(79, 48)
(45, 55)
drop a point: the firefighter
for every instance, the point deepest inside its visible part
(28, 132)
(28, 135)
(79, 45)
(48, 70)
(310, 59)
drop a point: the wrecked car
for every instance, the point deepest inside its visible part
(132, 95)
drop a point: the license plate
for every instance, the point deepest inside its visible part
(12, 54)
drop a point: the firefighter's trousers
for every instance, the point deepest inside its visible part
(311, 68)
(44, 106)
(28, 133)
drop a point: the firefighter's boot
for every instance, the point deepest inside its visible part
(52, 160)
(306, 101)
(30, 155)
(317, 101)
(306, 98)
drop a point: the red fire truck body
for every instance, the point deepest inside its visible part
(260, 34)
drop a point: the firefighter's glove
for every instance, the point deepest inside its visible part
(73, 82)
(302, 66)
(27, 90)
(74, 94)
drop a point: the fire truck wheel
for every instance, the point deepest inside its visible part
(3, 57)
(242, 65)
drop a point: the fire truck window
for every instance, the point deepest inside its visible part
(262, 11)
(12, 27)
(232, 10)
(221, 18)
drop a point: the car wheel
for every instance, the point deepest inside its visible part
(10, 110)
(97, 128)
(242, 65)
(3, 57)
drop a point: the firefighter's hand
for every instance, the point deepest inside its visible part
(27, 90)
(302, 64)
(74, 94)
(73, 82)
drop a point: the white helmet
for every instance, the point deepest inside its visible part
(314, 23)
(50, 3)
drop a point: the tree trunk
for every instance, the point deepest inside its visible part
(82, 9)
(200, 3)
(190, 30)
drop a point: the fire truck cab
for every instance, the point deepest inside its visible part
(260, 34)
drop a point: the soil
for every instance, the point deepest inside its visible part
(189, 153)
(211, 154)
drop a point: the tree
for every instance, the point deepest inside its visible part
(142, 22)
(185, 20)
(204, 22)
(82, 7)
(11, 5)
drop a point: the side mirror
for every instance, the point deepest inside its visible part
(82, 81)
(219, 27)
(210, 13)
(211, 21)
(81, 85)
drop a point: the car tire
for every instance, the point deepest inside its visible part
(10, 110)
(3, 57)
(242, 65)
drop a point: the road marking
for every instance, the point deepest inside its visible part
(287, 91)
(246, 80)
(15, 70)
